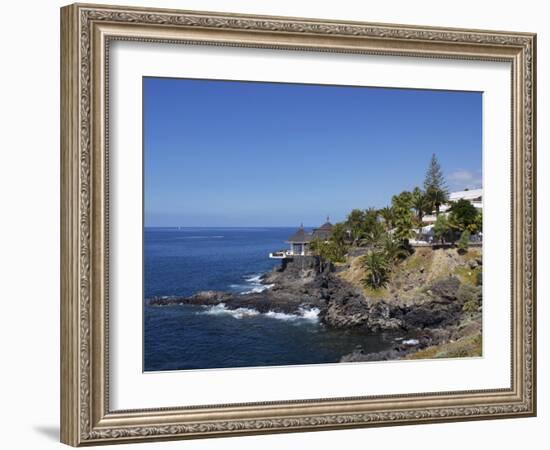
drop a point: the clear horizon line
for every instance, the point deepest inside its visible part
(228, 226)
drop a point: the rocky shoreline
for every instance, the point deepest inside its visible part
(436, 316)
(289, 289)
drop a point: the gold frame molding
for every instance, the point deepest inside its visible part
(86, 31)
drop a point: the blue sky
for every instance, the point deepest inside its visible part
(225, 153)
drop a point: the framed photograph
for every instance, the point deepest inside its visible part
(275, 224)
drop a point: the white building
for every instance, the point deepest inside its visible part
(474, 196)
(425, 235)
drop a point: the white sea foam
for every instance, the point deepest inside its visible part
(253, 285)
(249, 288)
(303, 314)
(240, 313)
(258, 289)
(254, 278)
(281, 316)
(310, 314)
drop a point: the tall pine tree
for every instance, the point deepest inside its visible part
(435, 185)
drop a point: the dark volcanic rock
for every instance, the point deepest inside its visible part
(401, 348)
(303, 283)
(263, 302)
(385, 355)
(431, 315)
(440, 309)
(203, 298)
(347, 307)
(445, 289)
(296, 285)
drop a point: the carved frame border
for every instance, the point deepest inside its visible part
(86, 31)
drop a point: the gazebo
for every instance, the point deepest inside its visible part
(324, 232)
(299, 242)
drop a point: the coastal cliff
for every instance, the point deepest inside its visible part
(431, 306)
(433, 296)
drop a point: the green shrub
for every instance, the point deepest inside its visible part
(441, 229)
(463, 216)
(463, 242)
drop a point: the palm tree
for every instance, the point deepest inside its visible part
(420, 203)
(318, 249)
(441, 228)
(371, 212)
(340, 234)
(355, 222)
(436, 197)
(387, 214)
(376, 265)
(372, 235)
(393, 249)
(403, 217)
(372, 228)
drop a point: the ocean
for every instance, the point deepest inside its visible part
(183, 261)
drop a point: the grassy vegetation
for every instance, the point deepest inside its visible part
(412, 263)
(466, 347)
(415, 261)
(375, 293)
(467, 275)
(471, 254)
(418, 271)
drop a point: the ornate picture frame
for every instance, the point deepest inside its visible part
(86, 34)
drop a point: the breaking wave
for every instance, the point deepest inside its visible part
(252, 285)
(238, 313)
(304, 313)
(310, 314)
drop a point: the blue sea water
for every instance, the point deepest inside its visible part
(183, 261)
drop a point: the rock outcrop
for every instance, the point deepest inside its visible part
(292, 287)
(431, 314)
